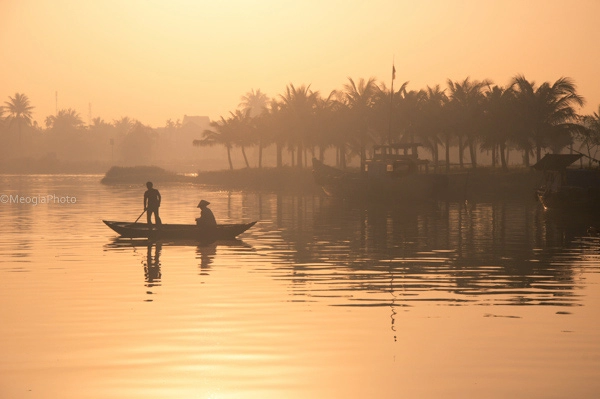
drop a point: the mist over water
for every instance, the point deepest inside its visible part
(321, 298)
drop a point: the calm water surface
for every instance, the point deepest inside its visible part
(321, 299)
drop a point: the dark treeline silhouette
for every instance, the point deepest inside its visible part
(455, 125)
(470, 116)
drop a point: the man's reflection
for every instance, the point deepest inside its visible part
(152, 265)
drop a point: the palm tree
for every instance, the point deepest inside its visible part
(299, 113)
(66, 120)
(326, 127)
(272, 123)
(430, 120)
(254, 103)
(99, 123)
(64, 135)
(242, 127)
(123, 125)
(548, 116)
(359, 98)
(19, 111)
(466, 99)
(589, 137)
(221, 134)
(499, 122)
(343, 124)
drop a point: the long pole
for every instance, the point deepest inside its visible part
(391, 104)
(139, 216)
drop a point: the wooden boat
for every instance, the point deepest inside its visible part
(392, 173)
(178, 231)
(566, 188)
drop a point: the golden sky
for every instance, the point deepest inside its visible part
(154, 60)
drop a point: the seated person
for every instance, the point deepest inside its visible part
(206, 219)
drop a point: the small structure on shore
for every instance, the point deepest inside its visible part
(567, 188)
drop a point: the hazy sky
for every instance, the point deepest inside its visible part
(155, 60)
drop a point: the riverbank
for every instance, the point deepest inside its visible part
(483, 184)
(285, 179)
(486, 184)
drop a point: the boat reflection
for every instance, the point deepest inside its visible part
(205, 253)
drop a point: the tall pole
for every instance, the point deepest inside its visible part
(391, 104)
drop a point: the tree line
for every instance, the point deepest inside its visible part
(471, 116)
(468, 116)
(65, 135)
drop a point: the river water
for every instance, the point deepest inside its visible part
(320, 299)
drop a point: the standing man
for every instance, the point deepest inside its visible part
(152, 203)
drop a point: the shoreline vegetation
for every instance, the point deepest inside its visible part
(474, 184)
(472, 123)
(472, 131)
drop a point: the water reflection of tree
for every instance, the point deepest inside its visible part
(508, 252)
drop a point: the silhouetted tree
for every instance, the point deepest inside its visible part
(359, 98)
(137, 147)
(123, 125)
(499, 122)
(221, 134)
(19, 112)
(66, 120)
(99, 124)
(273, 125)
(589, 136)
(66, 136)
(547, 114)
(430, 120)
(466, 102)
(327, 125)
(242, 128)
(254, 103)
(299, 110)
